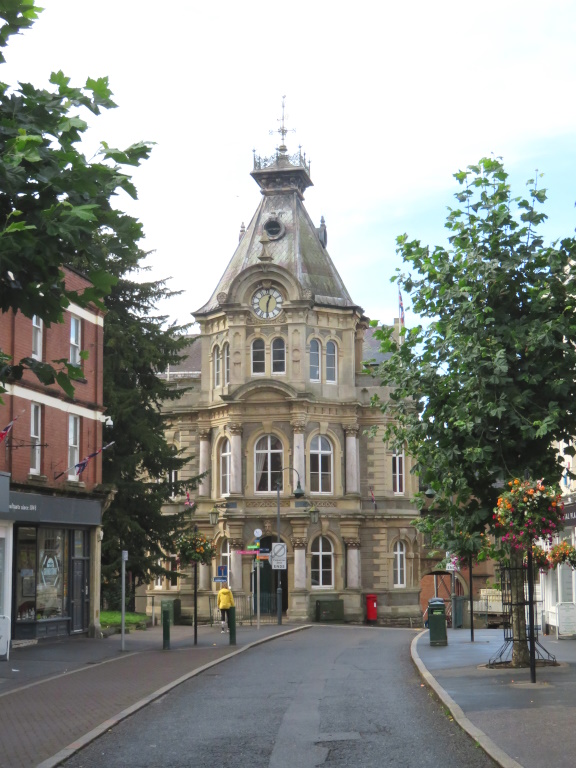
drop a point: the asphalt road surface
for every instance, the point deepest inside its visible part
(342, 697)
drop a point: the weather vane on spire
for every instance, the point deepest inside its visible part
(283, 130)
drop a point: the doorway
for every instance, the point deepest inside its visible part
(269, 582)
(80, 582)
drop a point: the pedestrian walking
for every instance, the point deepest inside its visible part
(225, 602)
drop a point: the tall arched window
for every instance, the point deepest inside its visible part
(226, 356)
(258, 357)
(268, 458)
(331, 362)
(314, 360)
(278, 356)
(225, 555)
(322, 571)
(399, 577)
(216, 356)
(321, 480)
(225, 462)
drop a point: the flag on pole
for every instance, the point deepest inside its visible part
(373, 499)
(189, 502)
(6, 431)
(400, 307)
(81, 466)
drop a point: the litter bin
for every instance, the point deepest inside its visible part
(168, 605)
(371, 609)
(437, 621)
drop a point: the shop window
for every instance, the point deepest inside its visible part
(331, 362)
(258, 357)
(314, 360)
(322, 570)
(35, 438)
(321, 463)
(268, 458)
(399, 567)
(225, 461)
(26, 574)
(37, 333)
(73, 445)
(398, 473)
(278, 356)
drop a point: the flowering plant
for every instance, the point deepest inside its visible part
(562, 553)
(195, 547)
(528, 510)
(541, 559)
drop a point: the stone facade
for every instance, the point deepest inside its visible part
(279, 393)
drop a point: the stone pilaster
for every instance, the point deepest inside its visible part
(352, 458)
(235, 431)
(204, 436)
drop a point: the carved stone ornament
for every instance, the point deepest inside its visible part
(352, 543)
(222, 298)
(269, 503)
(205, 434)
(299, 542)
(268, 527)
(298, 426)
(235, 429)
(351, 429)
(281, 318)
(306, 294)
(235, 544)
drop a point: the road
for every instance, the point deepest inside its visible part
(340, 697)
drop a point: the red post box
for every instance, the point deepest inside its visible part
(371, 609)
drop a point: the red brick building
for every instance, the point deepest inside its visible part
(50, 534)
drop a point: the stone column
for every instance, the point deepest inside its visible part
(299, 459)
(235, 431)
(352, 563)
(299, 545)
(235, 576)
(352, 459)
(204, 486)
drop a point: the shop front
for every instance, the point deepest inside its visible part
(56, 542)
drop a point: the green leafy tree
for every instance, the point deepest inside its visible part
(482, 390)
(54, 202)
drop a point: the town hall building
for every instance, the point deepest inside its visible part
(279, 401)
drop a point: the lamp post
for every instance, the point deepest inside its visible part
(298, 493)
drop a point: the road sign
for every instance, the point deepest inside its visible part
(258, 533)
(253, 546)
(263, 550)
(223, 571)
(221, 579)
(278, 556)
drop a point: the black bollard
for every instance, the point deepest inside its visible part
(165, 629)
(232, 625)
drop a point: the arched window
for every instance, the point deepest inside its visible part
(225, 461)
(321, 464)
(331, 362)
(399, 577)
(322, 571)
(225, 556)
(226, 356)
(268, 458)
(314, 360)
(216, 355)
(258, 357)
(278, 356)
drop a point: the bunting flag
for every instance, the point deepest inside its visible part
(6, 431)
(373, 499)
(189, 502)
(81, 466)
(400, 307)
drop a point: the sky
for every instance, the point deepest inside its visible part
(388, 100)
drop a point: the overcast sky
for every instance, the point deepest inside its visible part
(388, 100)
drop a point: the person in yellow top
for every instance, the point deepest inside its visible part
(225, 602)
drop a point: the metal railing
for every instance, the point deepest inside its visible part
(246, 609)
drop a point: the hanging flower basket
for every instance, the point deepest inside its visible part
(528, 510)
(562, 553)
(195, 548)
(540, 559)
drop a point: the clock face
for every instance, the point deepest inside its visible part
(267, 303)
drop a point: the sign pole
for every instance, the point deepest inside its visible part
(124, 558)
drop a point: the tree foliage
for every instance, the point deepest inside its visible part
(482, 390)
(54, 202)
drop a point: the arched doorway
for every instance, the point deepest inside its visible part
(269, 583)
(441, 584)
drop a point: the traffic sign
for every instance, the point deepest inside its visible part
(220, 579)
(253, 546)
(278, 556)
(223, 571)
(258, 533)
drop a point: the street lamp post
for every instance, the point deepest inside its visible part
(298, 493)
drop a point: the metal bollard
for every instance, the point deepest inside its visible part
(232, 625)
(166, 630)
